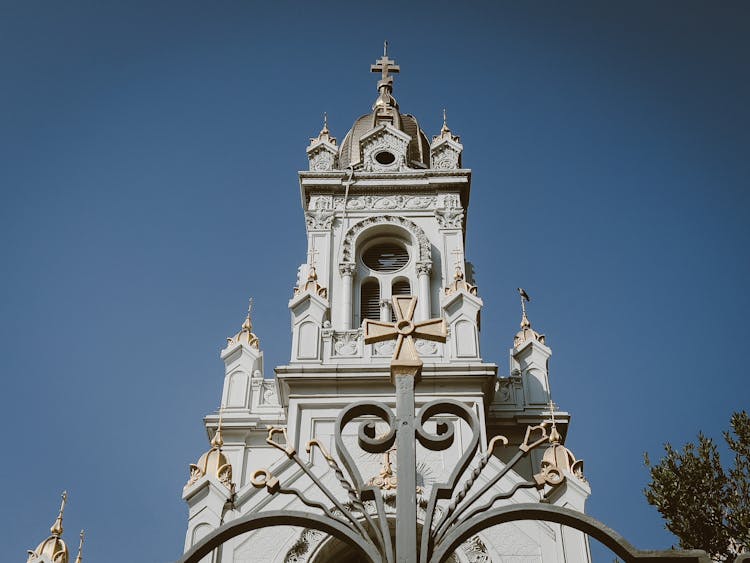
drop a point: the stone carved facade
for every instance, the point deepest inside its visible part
(451, 215)
(322, 161)
(347, 343)
(356, 197)
(321, 218)
(377, 203)
(445, 158)
(385, 140)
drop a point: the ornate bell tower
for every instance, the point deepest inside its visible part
(386, 218)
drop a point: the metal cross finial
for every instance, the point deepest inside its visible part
(524, 299)
(404, 331)
(250, 306)
(384, 65)
(57, 526)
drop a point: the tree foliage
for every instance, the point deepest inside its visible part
(705, 504)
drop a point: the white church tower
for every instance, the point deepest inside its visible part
(386, 214)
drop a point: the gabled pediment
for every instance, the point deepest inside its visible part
(384, 148)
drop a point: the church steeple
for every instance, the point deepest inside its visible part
(385, 223)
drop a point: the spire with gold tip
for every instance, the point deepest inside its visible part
(53, 547)
(459, 279)
(557, 459)
(245, 335)
(526, 333)
(325, 134)
(214, 462)
(79, 557)
(311, 285)
(445, 132)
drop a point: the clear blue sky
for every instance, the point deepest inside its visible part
(149, 157)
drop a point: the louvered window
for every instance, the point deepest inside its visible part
(385, 257)
(400, 287)
(370, 301)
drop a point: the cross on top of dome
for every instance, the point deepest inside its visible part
(385, 67)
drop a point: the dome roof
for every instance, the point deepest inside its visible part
(418, 151)
(385, 110)
(53, 547)
(213, 462)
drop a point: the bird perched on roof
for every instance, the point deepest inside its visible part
(523, 294)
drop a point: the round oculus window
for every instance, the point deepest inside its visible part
(385, 158)
(385, 257)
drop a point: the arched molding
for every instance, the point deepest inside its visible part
(418, 235)
(199, 532)
(279, 518)
(565, 517)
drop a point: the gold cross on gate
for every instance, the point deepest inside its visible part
(404, 331)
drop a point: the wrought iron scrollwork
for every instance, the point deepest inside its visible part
(465, 508)
(371, 524)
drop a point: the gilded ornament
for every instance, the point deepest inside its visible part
(245, 335)
(54, 547)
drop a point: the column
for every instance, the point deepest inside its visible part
(346, 269)
(423, 279)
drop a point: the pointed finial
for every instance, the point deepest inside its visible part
(218, 440)
(57, 526)
(459, 277)
(526, 333)
(445, 132)
(247, 325)
(554, 435)
(79, 558)
(385, 48)
(324, 135)
(524, 299)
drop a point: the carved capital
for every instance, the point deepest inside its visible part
(346, 268)
(451, 218)
(424, 268)
(319, 219)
